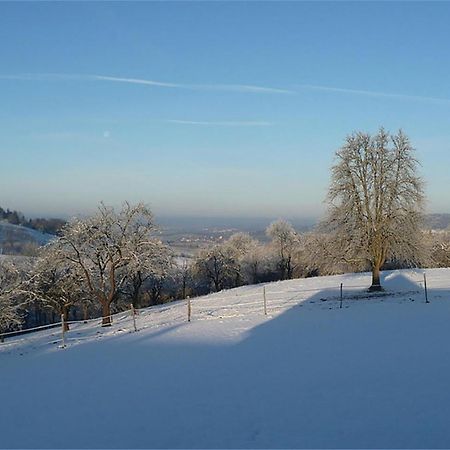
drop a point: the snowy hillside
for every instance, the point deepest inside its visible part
(373, 373)
(17, 233)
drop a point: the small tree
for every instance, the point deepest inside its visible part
(183, 275)
(242, 247)
(217, 265)
(375, 202)
(285, 242)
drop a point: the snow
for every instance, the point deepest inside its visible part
(373, 374)
(22, 234)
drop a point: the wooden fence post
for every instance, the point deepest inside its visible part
(133, 313)
(189, 310)
(340, 305)
(63, 332)
(425, 287)
(265, 300)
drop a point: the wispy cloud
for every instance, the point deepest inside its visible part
(231, 123)
(244, 88)
(240, 88)
(134, 81)
(209, 87)
(373, 93)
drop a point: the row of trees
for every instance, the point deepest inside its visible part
(111, 259)
(243, 260)
(56, 282)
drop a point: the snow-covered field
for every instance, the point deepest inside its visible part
(374, 373)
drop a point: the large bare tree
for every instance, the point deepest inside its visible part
(375, 202)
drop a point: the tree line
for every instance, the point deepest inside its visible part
(44, 225)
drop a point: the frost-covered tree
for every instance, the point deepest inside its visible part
(240, 243)
(150, 265)
(256, 262)
(105, 250)
(440, 249)
(319, 258)
(375, 202)
(56, 283)
(183, 275)
(242, 247)
(252, 257)
(226, 264)
(285, 243)
(11, 280)
(217, 265)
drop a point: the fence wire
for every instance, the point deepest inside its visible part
(202, 308)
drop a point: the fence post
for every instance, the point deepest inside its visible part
(265, 300)
(133, 313)
(340, 305)
(425, 287)
(63, 332)
(189, 310)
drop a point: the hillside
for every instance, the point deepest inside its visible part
(14, 237)
(437, 221)
(373, 373)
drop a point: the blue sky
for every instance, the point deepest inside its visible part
(213, 108)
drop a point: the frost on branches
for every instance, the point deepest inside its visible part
(109, 249)
(10, 281)
(375, 203)
(286, 245)
(55, 283)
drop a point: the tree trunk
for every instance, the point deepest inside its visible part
(135, 298)
(85, 313)
(65, 313)
(289, 268)
(106, 314)
(376, 284)
(137, 285)
(216, 284)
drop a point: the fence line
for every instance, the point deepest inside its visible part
(28, 330)
(264, 294)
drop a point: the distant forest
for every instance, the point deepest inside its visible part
(50, 226)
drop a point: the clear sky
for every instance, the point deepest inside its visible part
(213, 108)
